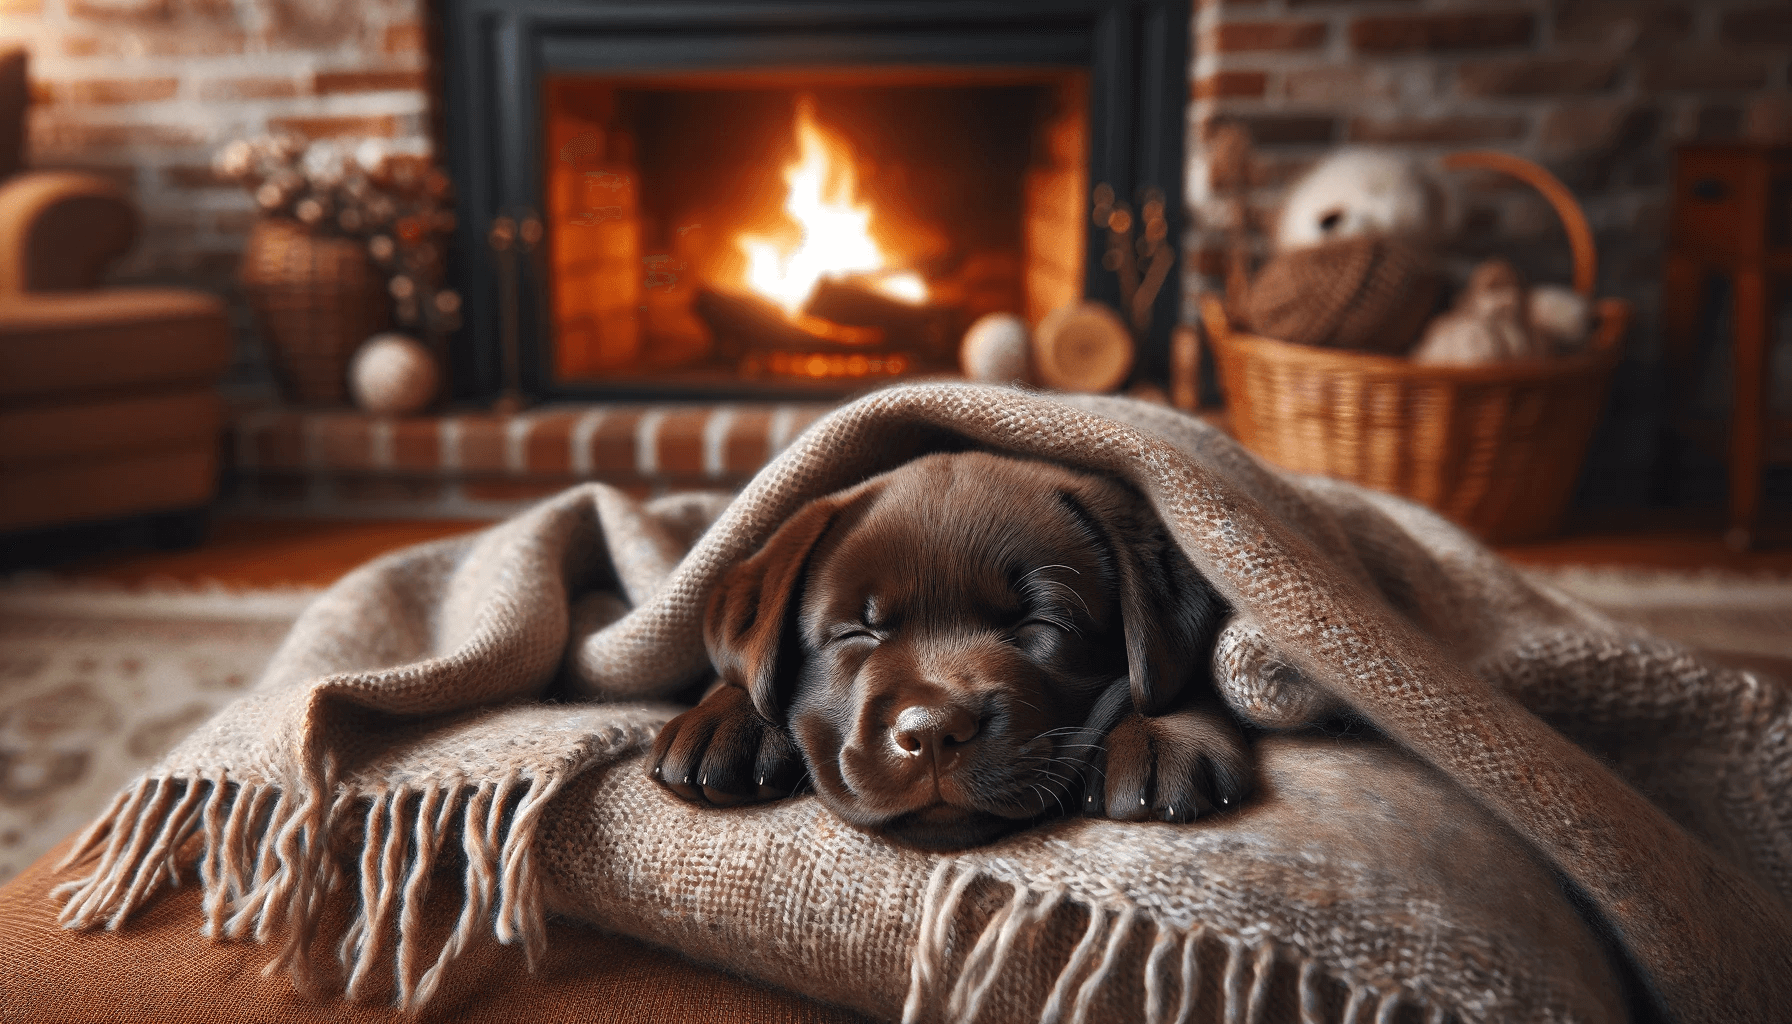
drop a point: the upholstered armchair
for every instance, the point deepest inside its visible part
(108, 405)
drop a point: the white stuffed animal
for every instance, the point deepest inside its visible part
(1489, 323)
(1562, 316)
(1365, 192)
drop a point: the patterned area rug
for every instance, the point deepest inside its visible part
(95, 683)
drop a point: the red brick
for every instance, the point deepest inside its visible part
(328, 82)
(482, 444)
(384, 488)
(1535, 76)
(211, 42)
(1284, 129)
(1344, 85)
(51, 136)
(417, 443)
(254, 88)
(404, 37)
(1705, 69)
(120, 174)
(548, 447)
(613, 443)
(1626, 23)
(1408, 32)
(122, 10)
(190, 176)
(1455, 128)
(1598, 127)
(96, 91)
(748, 444)
(342, 440)
(1229, 84)
(1239, 36)
(1755, 26)
(510, 489)
(679, 443)
(1277, 170)
(335, 126)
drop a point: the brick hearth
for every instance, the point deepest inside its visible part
(482, 464)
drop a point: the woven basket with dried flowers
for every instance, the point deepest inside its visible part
(351, 240)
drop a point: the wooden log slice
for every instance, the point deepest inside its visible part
(1082, 347)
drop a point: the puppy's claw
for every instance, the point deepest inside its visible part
(724, 745)
(1172, 767)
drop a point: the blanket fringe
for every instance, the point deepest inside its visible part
(266, 866)
(1096, 979)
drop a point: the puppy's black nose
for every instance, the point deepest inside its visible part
(923, 728)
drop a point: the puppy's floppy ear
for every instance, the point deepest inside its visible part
(750, 626)
(1169, 612)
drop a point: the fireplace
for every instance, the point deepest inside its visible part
(729, 199)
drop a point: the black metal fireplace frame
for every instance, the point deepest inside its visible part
(494, 53)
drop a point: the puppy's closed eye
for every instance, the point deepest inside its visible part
(959, 647)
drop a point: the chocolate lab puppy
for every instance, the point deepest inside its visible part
(957, 648)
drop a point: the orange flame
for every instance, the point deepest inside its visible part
(834, 229)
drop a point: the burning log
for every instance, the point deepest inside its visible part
(920, 327)
(747, 323)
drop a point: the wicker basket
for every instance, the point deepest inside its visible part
(316, 298)
(1496, 448)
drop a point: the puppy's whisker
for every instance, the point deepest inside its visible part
(1092, 766)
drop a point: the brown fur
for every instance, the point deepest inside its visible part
(959, 647)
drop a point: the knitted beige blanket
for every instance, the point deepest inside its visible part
(470, 708)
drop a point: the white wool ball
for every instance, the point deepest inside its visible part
(393, 375)
(1363, 192)
(1561, 315)
(995, 349)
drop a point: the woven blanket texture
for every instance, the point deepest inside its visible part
(476, 706)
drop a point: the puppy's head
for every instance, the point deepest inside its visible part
(943, 642)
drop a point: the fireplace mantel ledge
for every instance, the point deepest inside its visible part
(478, 462)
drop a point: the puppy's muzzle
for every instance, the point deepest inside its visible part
(935, 732)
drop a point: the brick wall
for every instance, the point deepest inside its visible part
(146, 90)
(1596, 90)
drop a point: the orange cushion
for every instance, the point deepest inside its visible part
(78, 343)
(60, 432)
(158, 968)
(101, 488)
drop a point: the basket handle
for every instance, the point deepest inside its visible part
(1574, 220)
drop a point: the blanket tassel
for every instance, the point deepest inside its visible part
(1245, 973)
(265, 868)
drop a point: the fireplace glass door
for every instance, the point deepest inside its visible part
(817, 229)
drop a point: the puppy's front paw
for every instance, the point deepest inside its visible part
(721, 752)
(1173, 767)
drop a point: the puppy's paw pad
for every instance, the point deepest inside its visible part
(722, 753)
(1175, 767)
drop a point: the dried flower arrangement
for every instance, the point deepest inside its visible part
(395, 203)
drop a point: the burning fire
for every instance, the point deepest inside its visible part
(834, 236)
